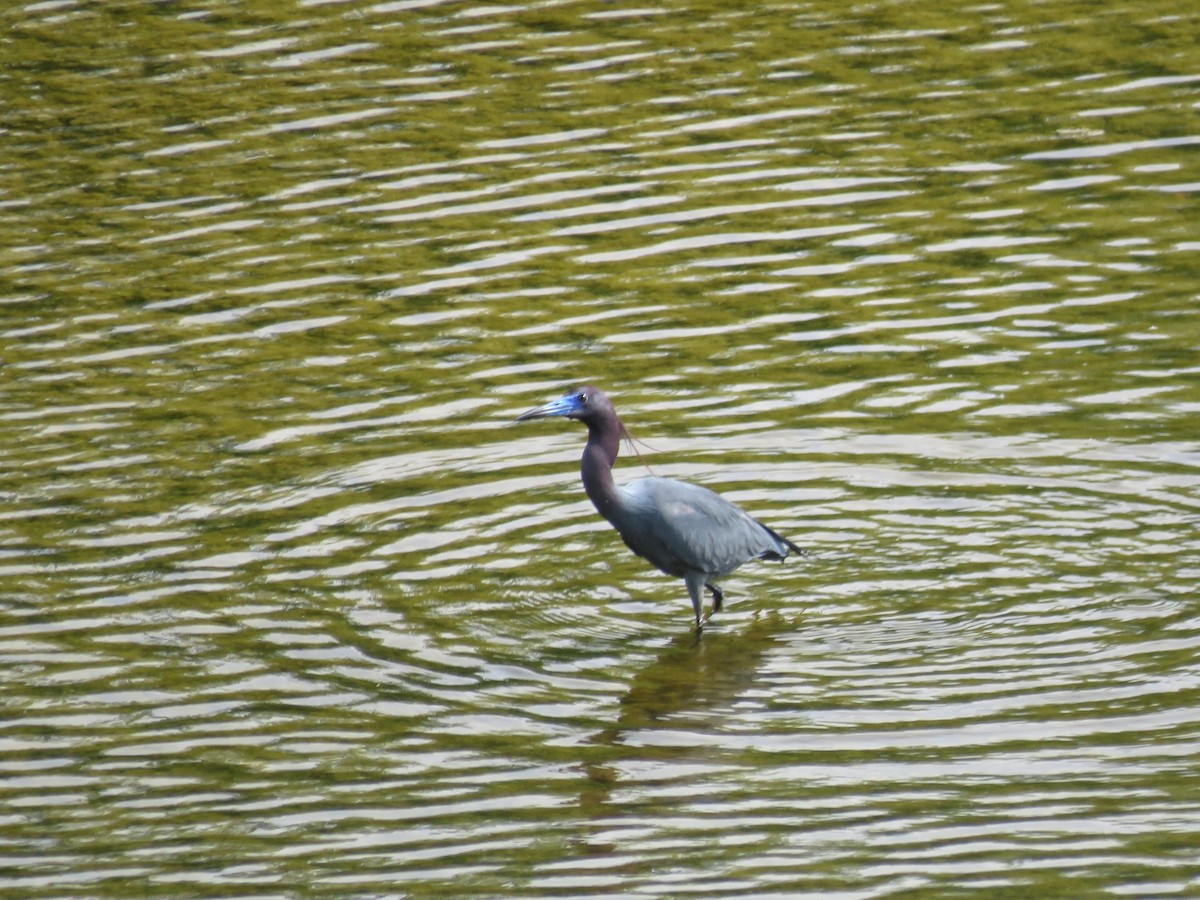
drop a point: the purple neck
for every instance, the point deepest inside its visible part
(604, 440)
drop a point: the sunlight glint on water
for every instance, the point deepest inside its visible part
(289, 605)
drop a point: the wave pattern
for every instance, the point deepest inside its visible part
(289, 605)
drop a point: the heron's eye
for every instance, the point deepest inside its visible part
(582, 397)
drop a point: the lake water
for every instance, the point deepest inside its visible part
(290, 607)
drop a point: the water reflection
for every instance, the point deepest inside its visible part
(691, 684)
(284, 604)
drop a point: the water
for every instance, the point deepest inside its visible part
(288, 607)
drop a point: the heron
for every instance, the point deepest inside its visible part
(683, 529)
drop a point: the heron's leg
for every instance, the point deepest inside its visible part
(695, 586)
(718, 597)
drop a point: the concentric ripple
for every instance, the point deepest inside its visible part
(289, 606)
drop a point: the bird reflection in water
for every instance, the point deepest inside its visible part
(689, 688)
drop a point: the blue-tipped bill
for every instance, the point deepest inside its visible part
(567, 405)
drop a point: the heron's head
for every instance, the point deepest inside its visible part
(591, 407)
(585, 403)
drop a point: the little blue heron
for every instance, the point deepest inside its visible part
(683, 529)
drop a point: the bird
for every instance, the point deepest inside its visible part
(683, 529)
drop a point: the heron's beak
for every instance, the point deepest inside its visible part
(563, 406)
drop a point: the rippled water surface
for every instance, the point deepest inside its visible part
(288, 605)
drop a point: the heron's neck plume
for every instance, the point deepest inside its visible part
(604, 441)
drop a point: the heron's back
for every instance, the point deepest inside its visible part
(679, 527)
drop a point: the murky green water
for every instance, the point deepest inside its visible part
(288, 607)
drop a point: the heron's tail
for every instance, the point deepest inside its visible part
(786, 545)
